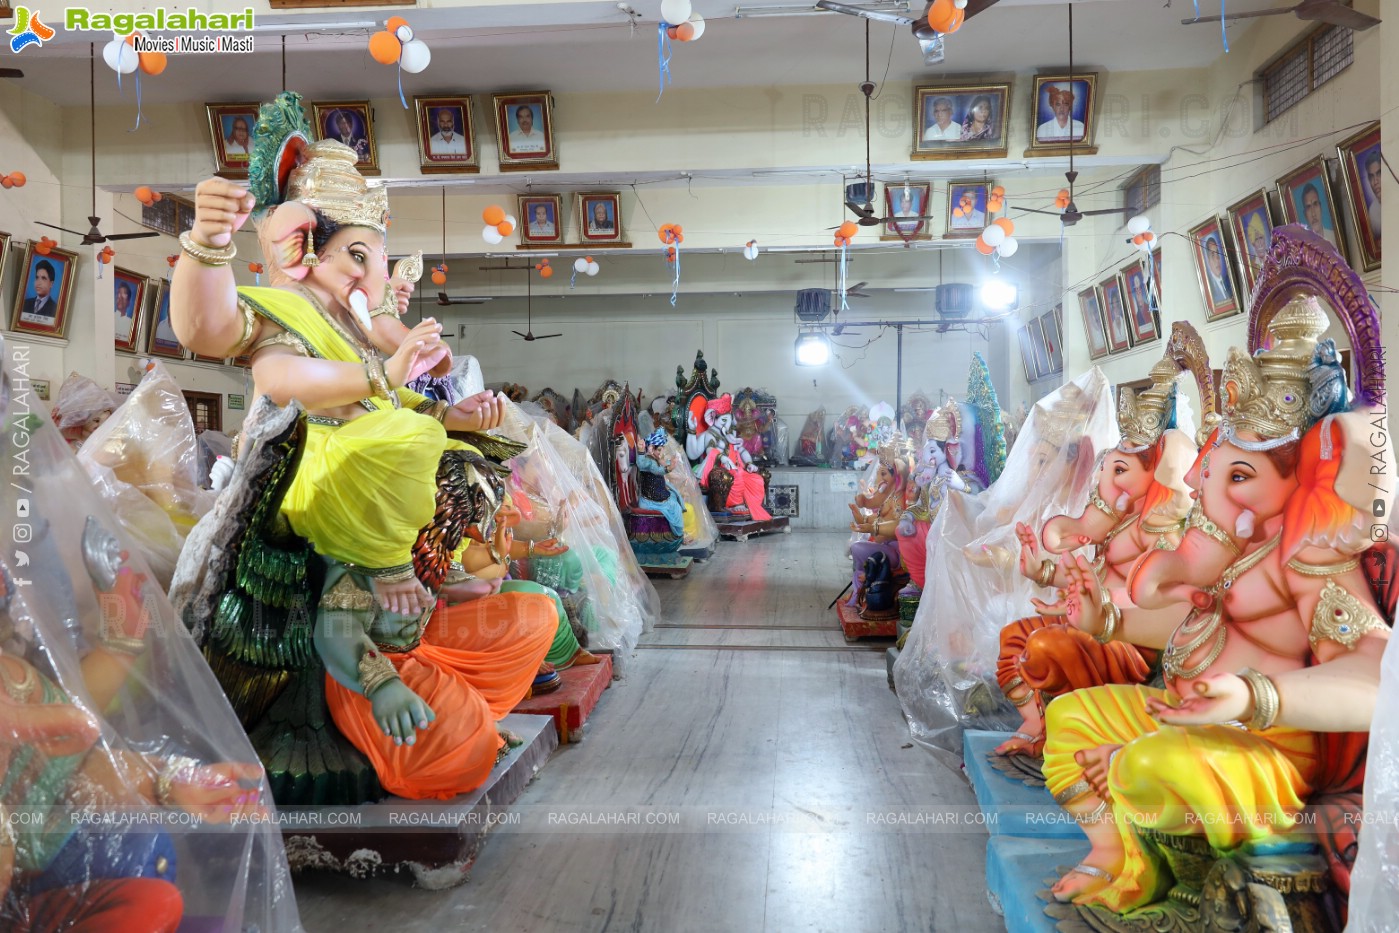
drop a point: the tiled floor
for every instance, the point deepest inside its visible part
(787, 770)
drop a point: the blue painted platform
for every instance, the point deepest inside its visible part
(1018, 810)
(1016, 870)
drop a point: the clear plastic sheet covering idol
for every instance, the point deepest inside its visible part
(945, 676)
(570, 501)
(679, 475)
(145, 462)
(783, 444)
(79, 407)
(133, 799)
(1374, 882)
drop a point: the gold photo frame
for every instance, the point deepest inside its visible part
(231, 129)
(1309, 199)
(600, 218)
(961, 121)
(1063, 108)
(446, 135)
(526, 142)
(543, 219)
(350, 122)
(1362, 166)
(907, 199)
(43, 294)
(130, 304)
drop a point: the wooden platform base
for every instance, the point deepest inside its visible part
(730, 526)
(572, 704)
(855, 627)
(436, 840)
(676, 568)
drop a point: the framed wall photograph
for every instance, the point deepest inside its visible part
(543, 219)
(160, 335)
(1062, 111)
(1041, 352)
(909, 200)
(130, 297)
(966, 208)
(1049, 325)
(1308, 199)
(1217, 288)
(1115, 315)
(1027, 352)
(961, 121)
(1251, 224)
(1156, 279)
(524, 129)
(446, 136)
(1090, 305)
(231, 133)
(4, 252)
(1142, 325)
(600, 218)
(44, 293)
(1362, 166)
(351, 123)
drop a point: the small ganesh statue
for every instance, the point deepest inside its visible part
(875, 515)
(720, 448)
(934, 476)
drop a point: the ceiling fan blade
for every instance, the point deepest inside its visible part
(56, 227)
(11, 73)
(526, 336)
(1035, 210)
(547, 336)
(1105, 210)
(869, 221)
(1328, 11)
(976, 6)
(855, 288)
(863, 210)
(881, 16)
(131, 236)
(1233, 16)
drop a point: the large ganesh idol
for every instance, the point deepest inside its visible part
(945, 676)
(1271, 679)
(1139, 504)
(720, 446)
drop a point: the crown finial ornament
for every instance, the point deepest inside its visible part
(1269, 395)
(1057, 420)
(328, 182)
(942, 423)
(1143, 418)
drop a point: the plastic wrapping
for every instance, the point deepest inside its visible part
(144, 461)
(811, 443)
(570, 501)
(122, 757)
(945, 676)
(211, 446)
(782, 443)
(80, 407)
(1374, 882)
(679, 475)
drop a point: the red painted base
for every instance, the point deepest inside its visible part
(571, 704)
(855, 627)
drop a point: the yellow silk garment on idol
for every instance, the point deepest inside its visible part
(365, 487)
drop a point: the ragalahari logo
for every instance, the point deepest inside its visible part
(28, 30)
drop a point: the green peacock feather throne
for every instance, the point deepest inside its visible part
(991, 430)
(282, 132)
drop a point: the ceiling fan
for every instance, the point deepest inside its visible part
(529, 334)
(1318, 11)
(94, 235)
(1071, 215)
(445, 301)
(928, 37)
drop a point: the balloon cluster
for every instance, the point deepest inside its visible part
(439, 274)
(998, 238)
(394, 44)
(13, 180)
(121, 56)
(680, 23)
(845, 232)
(172, 259)
(256, 268)
(672, 235)
(996, 200)
(543, 268)
(45, 245)
(499, 224)
(1142, 237)
(586, 265)
(104, 258)
(946, 16)
(1061, 200)
(750, 250)
(147, 196)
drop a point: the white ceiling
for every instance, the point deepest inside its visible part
(590, 47)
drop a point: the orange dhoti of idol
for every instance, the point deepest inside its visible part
(1053, 658)
(475, 661)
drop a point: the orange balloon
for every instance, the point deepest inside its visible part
(672, 32)
(394, 22)
(849, 229)
(1148, 237)
(998, 192)
(493, 215)
(953, 22)
(384, 47)
(939, 11)
(685, 32)
(1006, 224)
(984, 248)
(156, 195)
(680, 238)
(1138, 240)
(587, 259)
(153, 63)
(545, 272)
(677, 228)
(505, 228)
(994, 204)
(5, 182)
(143, 194)
(663, 234)
(131, 39)
(18, 179)
(439, 277)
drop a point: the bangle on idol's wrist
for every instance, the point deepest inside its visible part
(375, 670)
(1266, 702)
(1111, 617)
(1046, 576)
(378, 378)
(167, 776)
(124, 644)
(207, 255)
(529, 553)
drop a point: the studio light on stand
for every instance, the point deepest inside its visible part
(999, 295)
(812, 348)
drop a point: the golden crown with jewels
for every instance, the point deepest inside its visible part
(1142, 419)
(328, 182)
(942, 423)
(1269, 394)
(1064, 419)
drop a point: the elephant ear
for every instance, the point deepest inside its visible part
(1178, 453)
(282, 234)
(1365, 481)
(1339, 505)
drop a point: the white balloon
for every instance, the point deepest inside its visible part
(750, 253)
(1008, 247)
(698, 22)
(593, 268)
(404, 34)
(1138, 224)
(580, 264)
(491, 235)
(415, 57)
(960, 4)
(120, 57)
(512, 221)
(994, 235)
(675, 12)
